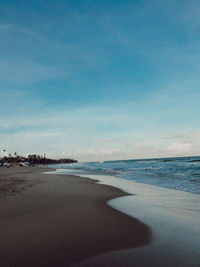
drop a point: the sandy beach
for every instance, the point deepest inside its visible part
(60, 220)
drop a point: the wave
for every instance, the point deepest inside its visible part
(178, 173)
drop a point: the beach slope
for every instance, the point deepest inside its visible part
(57, 220)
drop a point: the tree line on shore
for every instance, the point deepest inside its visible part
(33, 160)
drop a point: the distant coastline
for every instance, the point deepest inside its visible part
(31, 160)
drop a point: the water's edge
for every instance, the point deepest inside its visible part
(173, 215)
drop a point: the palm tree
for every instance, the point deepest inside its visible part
(4, 152)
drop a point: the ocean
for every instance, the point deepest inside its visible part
(177, 173)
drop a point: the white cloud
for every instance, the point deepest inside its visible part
(90, 134)
(91, 155)
(112, 141)
(180, 148)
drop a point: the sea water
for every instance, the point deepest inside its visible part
(176, 173)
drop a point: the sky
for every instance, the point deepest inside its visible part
(100, 80)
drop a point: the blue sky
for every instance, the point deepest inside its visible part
(98, 80)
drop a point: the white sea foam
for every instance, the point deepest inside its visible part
(175, 173)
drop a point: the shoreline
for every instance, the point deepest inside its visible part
(60, 220)
(173, 216)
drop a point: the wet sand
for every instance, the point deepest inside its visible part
(173, 216)
(59, 220)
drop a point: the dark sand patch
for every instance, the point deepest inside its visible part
(62, 221)
(12, 180)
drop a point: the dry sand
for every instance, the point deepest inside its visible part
(54, 220)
